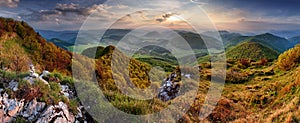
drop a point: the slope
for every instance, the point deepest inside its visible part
(267, 39)
(295, 40)
(253, 50)
(44, 54)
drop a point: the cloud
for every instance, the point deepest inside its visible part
(257, 25)
(85, 11)
(9, 3)
(165, 17)
(68, 12)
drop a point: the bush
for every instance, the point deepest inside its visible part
(263, 62)
(244, 63)
(289, 59)
(43, 92)
(236, 77)
(73, 104)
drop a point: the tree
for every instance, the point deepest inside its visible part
(289, 59)
(13, 57)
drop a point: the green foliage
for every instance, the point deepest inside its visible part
(73, 104)
(289, 59)
(43, 92)
(251, 50)
(267, 39)
(20, 120)
(93, 52)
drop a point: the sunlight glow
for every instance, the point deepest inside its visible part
(173, 19)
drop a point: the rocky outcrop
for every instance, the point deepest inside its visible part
(34, 76)
(13, 85)
(35, 111)
(170, 88)
(32, 109)
(57, 114)
(9, 108)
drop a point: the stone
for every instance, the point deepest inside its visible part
(65, 110)
(60, 120)
(2, 113)
(57, 113)
(6, 119)
(32, 109)
(13, 85)
(170, 89)
(66, 91)
(13, 107)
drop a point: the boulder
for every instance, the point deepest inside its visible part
(57, 113)
(32, 109)
(13, 107)
(66, 112)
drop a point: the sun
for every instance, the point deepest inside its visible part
(173, 18)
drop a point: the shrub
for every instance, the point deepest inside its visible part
(263, 62)
(68, 81)
(236, 77)
(289, 59)
(206, 65)
(73, 104)
(244, 63)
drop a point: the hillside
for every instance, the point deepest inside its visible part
(67, 36)
(196, 41)
(267, 39)
(63, 44)
(252, 50)
(225, 35)
(295, 40)
(37, 49)
(278, 43)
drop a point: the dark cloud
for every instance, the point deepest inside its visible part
(283, 8)
(67, 12)
(72, 8)
(165, 17)
(9, 3)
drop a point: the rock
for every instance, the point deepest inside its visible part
(32, 109)
(60, 120)
(6, 119)
(187, 76)
(29, 79)
(13, 85)
(45, 73)
(170, 89)
(57, 113)
(66, 91)
(2, 113)
(13, 108)
(47, 115)
(65, 110)
(79, 114)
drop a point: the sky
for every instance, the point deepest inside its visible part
(231, 15)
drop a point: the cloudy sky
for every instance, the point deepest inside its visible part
(232, 15)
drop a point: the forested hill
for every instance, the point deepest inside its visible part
(19, 35)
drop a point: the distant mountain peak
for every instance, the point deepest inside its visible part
(152, 34)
